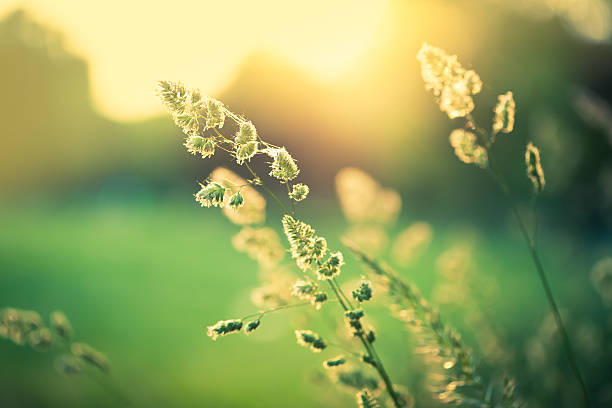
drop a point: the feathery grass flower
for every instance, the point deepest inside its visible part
(61, 325)
(252, 326)
(90, 356)
(246, 151)
(253, 209)
(246, 133)
(334, 362)
(41, 339)
(318, 299)
(299, 192)
(504, 113)
(304, 289)
(236, 201)
(283, 167)
(534, 167)
(364, 291)
(467, 148)
(210, 195)
(215, 117)
(200, 145)
(366, 400)
(331, 267)
(223, 328)
(308, 338)
(452, 85)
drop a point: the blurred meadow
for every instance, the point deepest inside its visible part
(98, 218)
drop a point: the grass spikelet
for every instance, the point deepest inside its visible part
(223, 328)
(504, 114)
(467, 148)
(253, 208)
(90, 356)
(61, 325)
(452, 85)
(534, 168)
(309, 339)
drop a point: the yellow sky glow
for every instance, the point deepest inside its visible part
(132, 44)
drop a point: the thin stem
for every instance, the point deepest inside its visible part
(278, 201)
(290, 199)
(368, 346)
(261, 313)
(537, 262)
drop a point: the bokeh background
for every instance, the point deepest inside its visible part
(95, 188)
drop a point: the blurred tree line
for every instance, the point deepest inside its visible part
(376, 116)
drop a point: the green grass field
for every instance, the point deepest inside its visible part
(141, 281)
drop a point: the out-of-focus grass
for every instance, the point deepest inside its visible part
(140, 282)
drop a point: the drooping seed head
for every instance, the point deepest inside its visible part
(283, 166)
(61, 325)
(223, 328)
(299, 192)
(504, 113)
(534, 168)
(90, 356)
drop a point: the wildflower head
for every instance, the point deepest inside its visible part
(354, 378)
(252, 326)
(318, 299)
(306, 247)
(246, 133)
(90, 356)
(223, 328)
(253, 209)
(215, 116)
(334, 362)
(411, 242)
(331, 267)
(467, 148)
(304, 289)
(308, 338)
(363, 291)
(61, 325)
(41, 339)
(366, 400)
(199, 145)
(299, 192)
(534, 168)
(283, 167)
(353, 318)
(245, 151)
(172, 94)
(504, 113)
(452, 85)
(236, 200)
(210, 195)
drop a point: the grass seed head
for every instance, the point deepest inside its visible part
(223, 328)
(299, 192)
(534, 167)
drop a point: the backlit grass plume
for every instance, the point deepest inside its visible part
(205, 121)
(27, 327)
(453, 88)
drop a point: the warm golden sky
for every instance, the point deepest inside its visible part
(132, 44)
